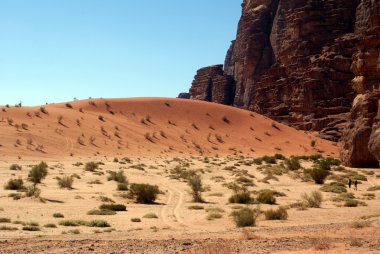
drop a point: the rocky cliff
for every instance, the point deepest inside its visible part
(361, 138)
(295, 61)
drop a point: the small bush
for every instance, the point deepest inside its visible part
(58, 215)
(33, 191)
(319, 175)
(113, 207)
(225, 119)
(195, 207)
(195, 183)
(334, 187)
(98, 224)
(6, 228)
(351, 203)
(15, 167)
(279, 214)
(144, 193)
(50, 225)
(31, 228)
(266, 197)
(136, 220)
(76, 223)
(214, 216)
(15, 184)
(293, 163)
(5, 220)
(101, 212)
(150, 216)
(245, 217)
(117, 176)
(122, 186)
(314, 200)
(241, 197)
(38, 173)
(66, 182)
(91, 166)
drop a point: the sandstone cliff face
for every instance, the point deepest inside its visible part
(211, 84)
(291, 61)
(361, 139)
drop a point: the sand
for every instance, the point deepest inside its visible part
(177, 229)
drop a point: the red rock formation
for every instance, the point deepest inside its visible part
(291, 61)
(211, 84)
(361, 139)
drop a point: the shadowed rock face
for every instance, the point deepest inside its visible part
(290, 61)
(361, 138)
(212, 84)
(301, 62)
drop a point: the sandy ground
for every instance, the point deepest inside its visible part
(147, 126)
(177, 229)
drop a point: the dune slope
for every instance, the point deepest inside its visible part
(147, 126)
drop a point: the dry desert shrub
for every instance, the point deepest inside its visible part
(66, 182)
(226, 120)
(314, 200)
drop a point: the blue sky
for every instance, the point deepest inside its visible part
(55, 50)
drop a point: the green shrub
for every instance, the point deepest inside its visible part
(144, 193)
(195, 183)
(214, 216)
(98, 224)
(91, 166)
(38, 173)
(50, 225)
(314, 200)
(76, 223)
(66, 182)
(269, 159)
(241, 197)
(58, 215)
(351, 203)
(15, 184)
(326, 163)
(101, 212)
(181, 173)
(5, 220)
(6, 228)
(292, 163)
(334, 187)
(195, 207)
(113, 207)
(319, 175)
(15, 167)
(278, 156)
(279, 214)
(245, 217)
(266, 197)
(31, 228)
(33, 191)
(117, 176)
(122, 186)
(150, 216)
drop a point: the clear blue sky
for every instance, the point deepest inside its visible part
(55, 50)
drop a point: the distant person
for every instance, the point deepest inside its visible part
(349, 183)
(356, 185)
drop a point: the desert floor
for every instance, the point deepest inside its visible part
(332, 228)
(161, 141)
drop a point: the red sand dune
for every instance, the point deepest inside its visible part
(170, 126)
